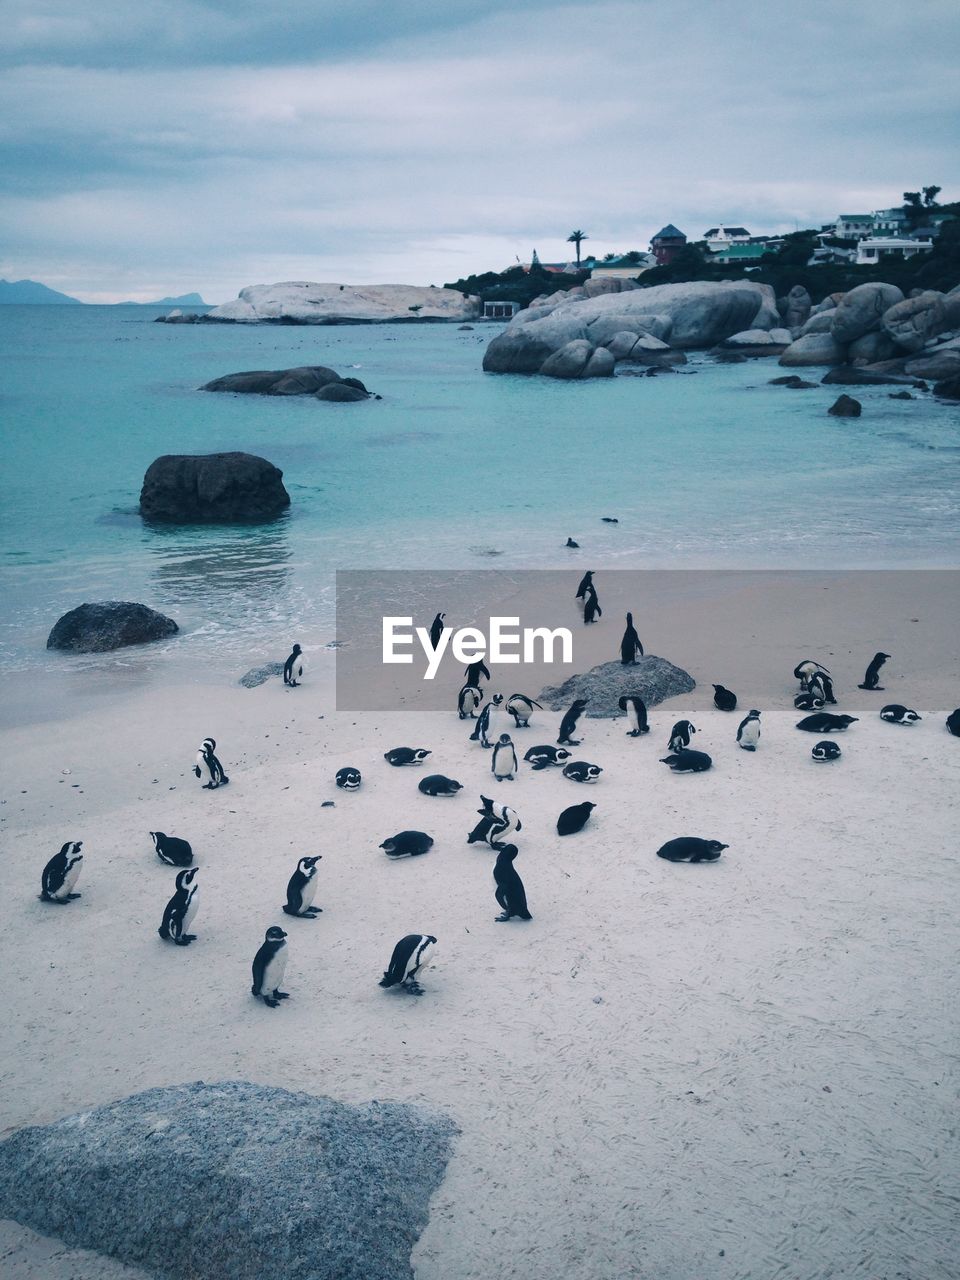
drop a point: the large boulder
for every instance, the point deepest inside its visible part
(937, 368)
(342, 393)
(579, 359)
(655, 679)
(912, 323)
(305, 381)
(871, 347)
(643, 348)
(110, 624)
(212, 488)
(304, 302)
(862, 310)
(815, 348)
(796, 307)
(819, 322)
(233, 1181)
(848, 377)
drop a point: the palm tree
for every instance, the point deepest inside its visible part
(577, 237)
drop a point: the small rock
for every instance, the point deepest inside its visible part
(845, 407)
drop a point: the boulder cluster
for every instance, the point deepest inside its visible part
(309, 380)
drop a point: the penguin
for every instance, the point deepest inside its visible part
(821, 686)
(496, 821)
(723, 699)
(895, 713)
(582, 771)
(269, 966)
(488, 722)
(586, 584)
(871, 680)
(804, 670)
(61, 874)
(570, 543)
(436, 630)
(807, 702)
(575, 818)
(630, 646)
(398, 756)
(953, 723)
(687, 761)
(591, 605)
(826, 722)
(636, 710)
(293, 668)
(348, 778)
(180, 910)
(568, 724)
(407, 844)
(826, 751)
(691, 849)
(610, 519)
(208, 764)
(468, 699)
(748, 732)
(543, 757)
(301, 888)
(435, 784)
(475, 670)
(680, 735)
(171, 850)
(503, 764)
(521, 708)
(510, 893)
(411, 956)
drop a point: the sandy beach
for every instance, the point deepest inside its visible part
(743, 1068)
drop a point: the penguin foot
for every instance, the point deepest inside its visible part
(281, 995)
(185, 940)
(270, 1002)
(414, 988)
(71, 896)
(501, 919)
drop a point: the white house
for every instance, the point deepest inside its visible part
(718, 238)
(854, 226)
(875, 249)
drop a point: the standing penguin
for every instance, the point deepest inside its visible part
(269, 966)
(680, 735)
(871, 680)
(301, 888)
(568, 724)
(293, 668)
(521, 708)
(748, 733)
(723, 699)
(496, 821)
(510, 893)
(468, 699)
(436, 629)
(61, 874)
(488, 722)
(591, 605)
(410, 957)
(805, 670)
(504, 762)
(180, 910)
(821, 687)
(630, 646)
(475, 670)
(208, 764)
(586, 584)
(636, 710)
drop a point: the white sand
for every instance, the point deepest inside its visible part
(668, 1064)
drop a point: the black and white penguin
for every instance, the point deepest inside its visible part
(630, 646)
(407, 844)
(610, 519)
(293, 668)
(826, 722)
(586, 582)
(521, 708)
(680, 735)
(496, 822)
(807, 702)
(348, 778)
(510, 893)
(821, 686)
(825, 751)
(180, 910)
(475, 670)
(691, 849)
(953, 723)
(871, 680)
(543, 757)
(748, 732)
(410, 958)
(687, 761)
(269, 966)
(582, 771)
(723, 699)
(575, 818)
(568, 724)
(61, 874)
(570, 543)
(503, 765)
(172, 850)
(301, 888)
(468, 699)
(636, 710)
(398, 756)
(487, 729)
(591, 605)
(805, 670)
(896, 713)
(435, 784)
(436, 630)
(207, 765)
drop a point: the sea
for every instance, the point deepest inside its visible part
(450, 468)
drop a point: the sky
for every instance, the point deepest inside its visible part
(153, 150)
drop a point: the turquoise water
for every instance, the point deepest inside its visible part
(711, 467)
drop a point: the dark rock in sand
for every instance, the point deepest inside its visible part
(233, 1181)
(845, 407)
(305, 381)
(212, 488)
(260, 675)
(342, 393)
(111, 624)
(653, 678)
(902, 395)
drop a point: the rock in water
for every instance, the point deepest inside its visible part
(211, 488)
(949, 389)
(304, 381)
(845, 407)
(233, 1181)
(111, 624)
(653, 678)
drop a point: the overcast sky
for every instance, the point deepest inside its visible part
(210, 144)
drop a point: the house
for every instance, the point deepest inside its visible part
(627, 267)
(875, 249)
(890, 222)
(500, 310)
(740, 253)
(854, 226)
(666, 244)
(718, 238)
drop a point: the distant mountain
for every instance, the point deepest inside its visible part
(32, 291)
(184, 300)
